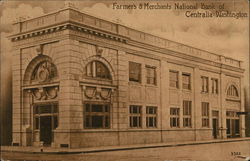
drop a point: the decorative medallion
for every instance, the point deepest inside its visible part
(44, 72)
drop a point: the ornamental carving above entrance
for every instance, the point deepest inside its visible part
(44, 72)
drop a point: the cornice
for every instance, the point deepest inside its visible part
(80, 28)
(70, 17)
(68, 25)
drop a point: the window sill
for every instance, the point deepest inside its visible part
(143, 129)
(187, 127)
(206, 128)
(187, 90)
(96, 129)
(234, 99)
(173, 88)
(151, 85)
(134, 83)
(97, 79)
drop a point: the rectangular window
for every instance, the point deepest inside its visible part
(215, 86)
(151, 75)
(151, 116)
(187, 113)
(186, 81)
(174, 117)
(205, 87)
(135, 116)
(205, 114)
(174, 80)
(97, 116)
(134, 72)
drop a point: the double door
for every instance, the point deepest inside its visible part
(45, 121)
(233, 128)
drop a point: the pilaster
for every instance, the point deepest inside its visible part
(223, 118)
(16, 98)
(242, 109)
(196, 112)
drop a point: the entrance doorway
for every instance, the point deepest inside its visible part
(46, 130)
(233, 124)
(233, 128)
(45, 121)
(215, 115)
(215, 128)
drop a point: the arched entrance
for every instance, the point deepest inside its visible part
(41, 82)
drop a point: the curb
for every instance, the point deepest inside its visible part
(123, 148)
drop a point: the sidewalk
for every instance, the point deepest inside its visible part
(49, 150)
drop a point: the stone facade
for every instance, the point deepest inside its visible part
(72, 79)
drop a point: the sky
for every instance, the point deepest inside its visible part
(225, 36)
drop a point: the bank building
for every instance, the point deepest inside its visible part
(82, 81)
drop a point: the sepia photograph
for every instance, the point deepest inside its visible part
(124, 80)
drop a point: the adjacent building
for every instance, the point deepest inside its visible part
(82, 81)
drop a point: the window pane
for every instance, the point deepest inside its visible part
(45, 109)
(89, 70)
(134, 72)
(228, 126)
(87, 121)
(151, 75)
(135, 122)
(232, 91)
(97, 121)
(186, 81)
(151, 121)
(87, 107)
(173, 79)
(101, 70)
(55, 108)
(237, 126)
(106, 108)
(97, 69)
(106, 121)
(204, 84)
(97, 108)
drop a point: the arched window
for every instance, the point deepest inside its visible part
(232, 91)
(97, 69)
(45, 71)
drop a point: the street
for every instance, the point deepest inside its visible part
(218, 151)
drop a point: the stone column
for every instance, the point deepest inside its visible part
(120, 106)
